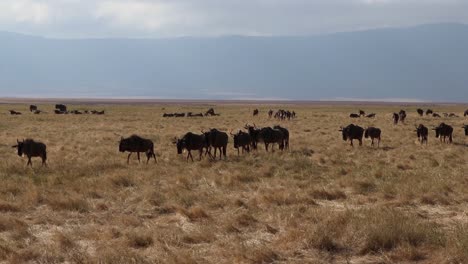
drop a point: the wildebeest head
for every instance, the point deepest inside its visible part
(180, 144)
(19, 147)
(344, 132)
(122, 145)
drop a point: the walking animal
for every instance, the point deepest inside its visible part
(137, 144)
(422, 133)
(31, 148)
(352, 132)
(373, 133)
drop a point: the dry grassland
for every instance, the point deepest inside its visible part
(321, 202)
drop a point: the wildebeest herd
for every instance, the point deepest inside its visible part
(248, 140)
(60, 109)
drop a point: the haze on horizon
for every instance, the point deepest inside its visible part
(283, 49)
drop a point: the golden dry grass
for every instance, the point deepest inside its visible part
(321, 202)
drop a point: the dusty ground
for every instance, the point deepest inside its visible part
(321, 202)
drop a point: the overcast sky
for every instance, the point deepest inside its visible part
(172, 18)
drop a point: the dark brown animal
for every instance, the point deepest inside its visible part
(370, 115)
(191, 141)
(61, 107)
(435, 115)
(362, 113)
(285, 134)
(466, 129)
(270, 113)
(217, 140)
(396, 117)
(373, 133)
(354, 115)
(255, 112)
(402, 115)
(32, 108)
(422, 133)
(242, 140)
(137, 144)
(31, 148)
(444, 131)
(13, 112)
(253, 132)
(268, 136)
(420, 112)
(429, 112)
(352, 132)
(465, 113)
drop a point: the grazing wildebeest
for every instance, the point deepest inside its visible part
(285, 134)
(293, 114)
(76, 112)
(190, 114)
(466, 129)
(435, 115)
(137, 144)
(396, 117)
(179, 114)
(95, 112)
(31, 148)
(453, 115)
(270, 113)
(352, 132)
(13, 112)
(217, 140)
(354, 115)
(168, 115)
(242, 140)
(373, 133)
(370, 115)
(32, 108)
(362, 113)
(58, 112)
(465, 113)
(61, 107)
(422, 133)
(420, 112)
(191, 141)
(271, 136)
(444, 131)
(255, 112)
(402, 115)
(429, 111)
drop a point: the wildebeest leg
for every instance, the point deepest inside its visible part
(360, 142)
(378, 143)
(29, 162)
(138, 155)
(128, 158)
(189, 155)
(201, 152)
(352, 143)
(266, 146)
(372, 142)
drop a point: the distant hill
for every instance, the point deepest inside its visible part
(428, 62)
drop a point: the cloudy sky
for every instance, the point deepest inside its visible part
(172, 18)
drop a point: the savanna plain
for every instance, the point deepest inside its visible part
(322, 201)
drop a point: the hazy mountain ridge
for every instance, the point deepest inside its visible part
(428, 62)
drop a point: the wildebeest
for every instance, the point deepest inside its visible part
(402, 115)
(31, 148)
(465, 113)
(137, 144)
(370, 115)
(352, 132)
(255, 112)
(354, 115)
(435, 115)
(429, 111)
(76, 112)
(179, 114)
(61, 107)
(396, 117)
(362, 113)
(168, 115)
(32, 108)
(253, 132)
(36, 112)
(191, 141)
(218, 140)
(373, 133)
(422, 133)
(242, 140)
(285, 135)
(444, 131)
(95, 112)
(271, 136)
(453, 115)
(270, 113)
(13, 112)
(420, 112)
(211, 112)
(58, 112)
(190, 114)
(466, 129)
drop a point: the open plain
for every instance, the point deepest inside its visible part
(322, 201)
